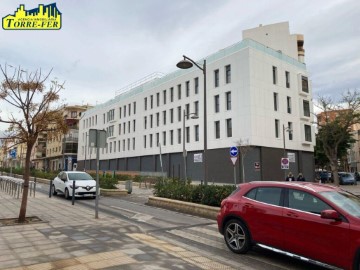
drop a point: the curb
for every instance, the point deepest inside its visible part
(205, 211)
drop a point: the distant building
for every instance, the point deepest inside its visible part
(257, 90)
(60, 153)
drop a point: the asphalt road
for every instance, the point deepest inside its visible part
(194, 233)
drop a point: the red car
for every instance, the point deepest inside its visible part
(313, 222)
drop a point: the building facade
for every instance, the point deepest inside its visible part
(257, 91)
(60, 152)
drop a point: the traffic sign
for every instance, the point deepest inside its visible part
(13, 153)
(234, 151)
(233, 159)
(257, 165)
(284, 163)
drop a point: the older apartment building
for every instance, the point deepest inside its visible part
(257, 91)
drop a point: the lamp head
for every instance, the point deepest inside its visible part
(184, 64)
(194, 116)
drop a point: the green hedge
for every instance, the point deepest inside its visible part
(176, 189)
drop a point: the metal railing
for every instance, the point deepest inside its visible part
(14, 186)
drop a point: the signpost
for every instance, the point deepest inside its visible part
(284, 163)
(233, 156)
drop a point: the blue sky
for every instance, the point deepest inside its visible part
(106, 45)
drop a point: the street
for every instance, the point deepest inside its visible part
(196, 234)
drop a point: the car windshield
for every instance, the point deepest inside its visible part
(79, 176)
(346, 201)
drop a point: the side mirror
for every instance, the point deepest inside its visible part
(330, 214)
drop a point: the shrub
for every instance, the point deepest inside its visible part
(108, 182)
(176, 189)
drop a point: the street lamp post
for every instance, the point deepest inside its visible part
(185, 64)
(285, 129)
(194, 116)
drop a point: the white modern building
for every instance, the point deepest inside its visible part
(257, 91)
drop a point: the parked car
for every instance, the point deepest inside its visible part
(299, 219)
(346, 178)
(85, 185)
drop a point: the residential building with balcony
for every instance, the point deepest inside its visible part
(256, 89)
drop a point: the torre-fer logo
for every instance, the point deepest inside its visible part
(44, 17)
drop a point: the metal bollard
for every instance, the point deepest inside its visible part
(50, 189)
(30, 185)
(34, 186)
(73, 193)
(18, 189)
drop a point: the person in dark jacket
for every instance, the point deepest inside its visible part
(300, 177)
(290, 177)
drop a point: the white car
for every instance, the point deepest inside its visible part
(85, 185)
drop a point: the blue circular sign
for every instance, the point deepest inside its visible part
(234, 151)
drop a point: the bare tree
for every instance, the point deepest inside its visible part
(35, 111)
(244, 147)
(335, 123)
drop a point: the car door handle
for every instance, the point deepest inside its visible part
(292, 214)
(248, 205)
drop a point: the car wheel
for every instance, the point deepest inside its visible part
(54, 190)
(237, 236)
(67, 194)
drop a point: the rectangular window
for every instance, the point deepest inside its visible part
(145, 104)
(151, 101)
(120, 112)
(187, 131)
(179, 135)
(274, 74)
(125, 111)
(216, 78)
(114, 146)
(129, 107)
(124, 128)
(179, 91)
(134, 106)
(179, 113)
(305, 84)
(119, 146)
(288, 102)
(306, 108)
(228, 101)
(151, 140)
(276, 102)
(157, 119)
(128, 126)
(187, 89)
(164, 137)
(134, 126)
(133, 143)
(171, 115)
(171, 94)
(128, 144)
(110, 150)
(164, 117)
(277, 123)
(124, 145)
(197, 133)
(216, 103)
(119, 129)
(290, 131)
(151, 121)
(171, 137)
(157, 139)
(145, 122)
(217, 129)
(287, 79)
(187, 111)
(196, 85)
(144, 141)
(157, 99)
(307, 133)
(164, 96)
(111, 131)
(229, 127)
(228, 74)
(196, 108)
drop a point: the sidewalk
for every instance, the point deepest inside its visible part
(71, 238)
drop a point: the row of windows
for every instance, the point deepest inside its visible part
(227, 70)
(304, 80)
(171, 94)
(89, 122)
(289, 130)
(306, 105)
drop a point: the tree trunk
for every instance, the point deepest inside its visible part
(334, 170)
(26, 177)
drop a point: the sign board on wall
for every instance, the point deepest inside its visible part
(291, 157)
(198, 158)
